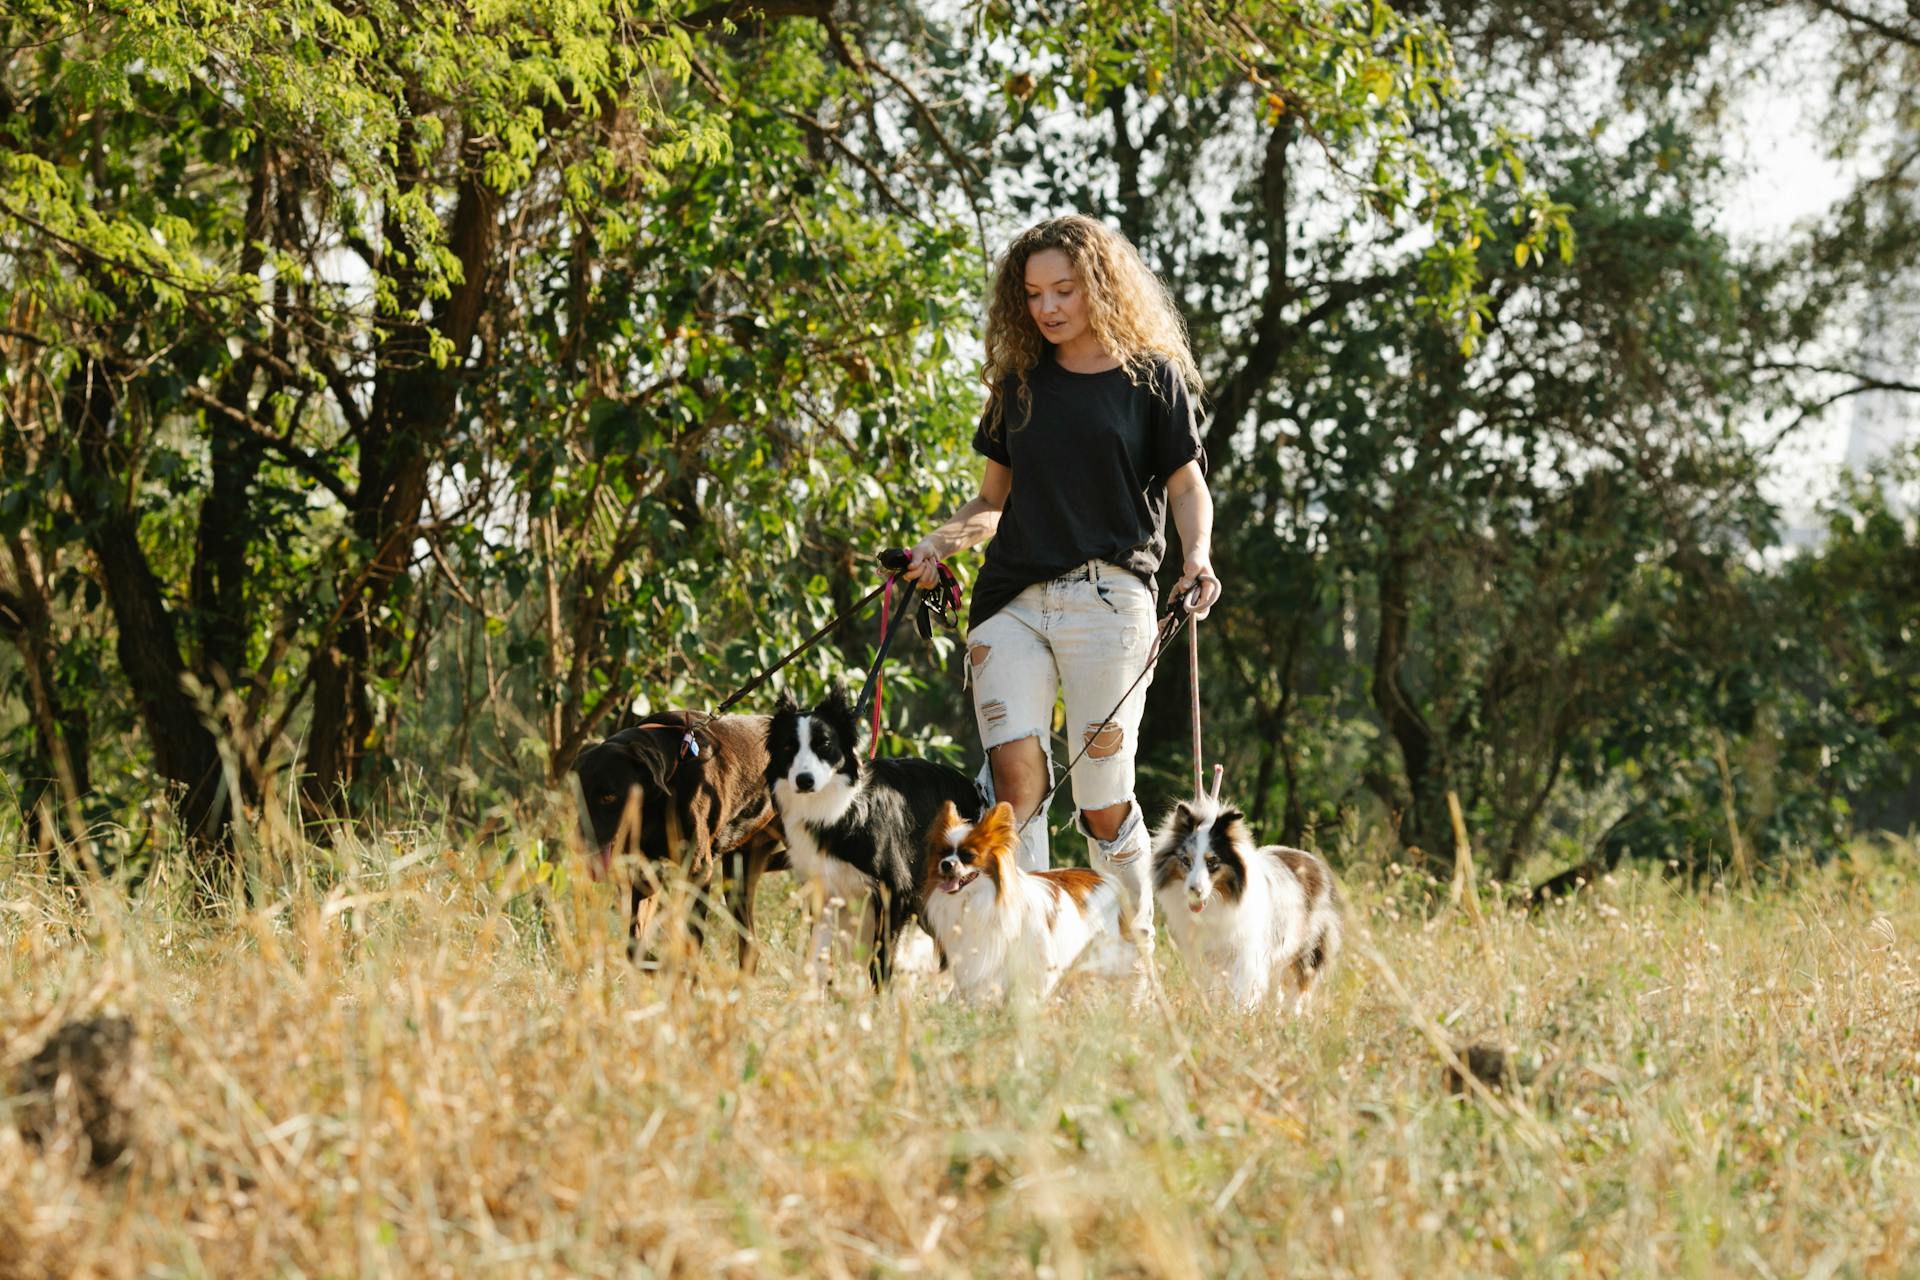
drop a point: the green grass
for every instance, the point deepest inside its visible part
(429, 1063)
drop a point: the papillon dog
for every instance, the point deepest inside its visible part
(1005, 931)
(1254, 920)
(854, 828)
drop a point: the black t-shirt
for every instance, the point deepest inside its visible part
(1090, 468)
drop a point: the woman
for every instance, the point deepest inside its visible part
(1091, 412)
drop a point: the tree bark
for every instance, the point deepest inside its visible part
(415, 404)
(61, 730)
(184, 750)
(1271, 334)
(1425, 818)
(217, 585)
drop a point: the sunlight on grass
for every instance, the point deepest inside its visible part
(410, 1058)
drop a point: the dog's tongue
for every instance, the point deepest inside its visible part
(950, 886)
(1196, 905)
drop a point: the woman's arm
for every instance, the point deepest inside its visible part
(1193, 517)
(970, 526)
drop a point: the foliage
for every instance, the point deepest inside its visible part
(1473, 568)
(397, 393)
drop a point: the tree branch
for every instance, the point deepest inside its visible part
(881, 186)
(765, 10)
(297, 458)
(1822, 405)
(1879, 27)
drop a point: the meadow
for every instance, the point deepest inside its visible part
(399, 1056)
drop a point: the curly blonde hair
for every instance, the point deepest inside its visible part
(1128, 309)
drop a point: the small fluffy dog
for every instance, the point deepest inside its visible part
(1244, 916)
(855, 828)
(1004, 930)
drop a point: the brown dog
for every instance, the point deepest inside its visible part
(682, 787)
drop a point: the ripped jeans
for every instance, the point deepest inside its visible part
(1086, 634)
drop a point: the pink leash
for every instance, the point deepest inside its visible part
(942, 602)
(880, 676)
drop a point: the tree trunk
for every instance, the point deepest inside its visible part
(61, 766)
(184, 750)
(415, 404)
(1272, 333)
(1425, 821)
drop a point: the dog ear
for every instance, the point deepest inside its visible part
(838, 712)
(836, 700)
(785, 702)
(1183, 816)
(947, 819)
(655, 762)
(1228, 818)
(997, 826)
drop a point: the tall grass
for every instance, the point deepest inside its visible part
(406, 1057)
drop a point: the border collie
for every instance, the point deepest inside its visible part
(1244, 916)
(1004, 930)
(855, 829)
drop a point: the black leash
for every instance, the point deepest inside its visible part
(940, 604)
(1178, 614)
(690, 744)
(937, 604)
(887, 634)
(804, 645)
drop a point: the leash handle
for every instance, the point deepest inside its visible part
(944, 600)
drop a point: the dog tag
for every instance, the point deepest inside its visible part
(689, 744)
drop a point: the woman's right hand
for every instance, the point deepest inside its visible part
(923, 569)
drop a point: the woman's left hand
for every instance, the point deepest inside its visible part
(1198, 569)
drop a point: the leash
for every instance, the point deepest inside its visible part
(690, 744)
(804, 645)
(1193, 687)
(1178, 614)
(939, 603)
(870, 691)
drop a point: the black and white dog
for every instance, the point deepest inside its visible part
(856, 829)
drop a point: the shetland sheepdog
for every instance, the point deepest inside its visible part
(855, 829)
(1254, 920)
(1006, 931)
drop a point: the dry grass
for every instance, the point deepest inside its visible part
(422, 1065)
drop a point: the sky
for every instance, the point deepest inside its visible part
(1788, 181)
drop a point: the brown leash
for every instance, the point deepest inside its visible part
(1193, 687)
